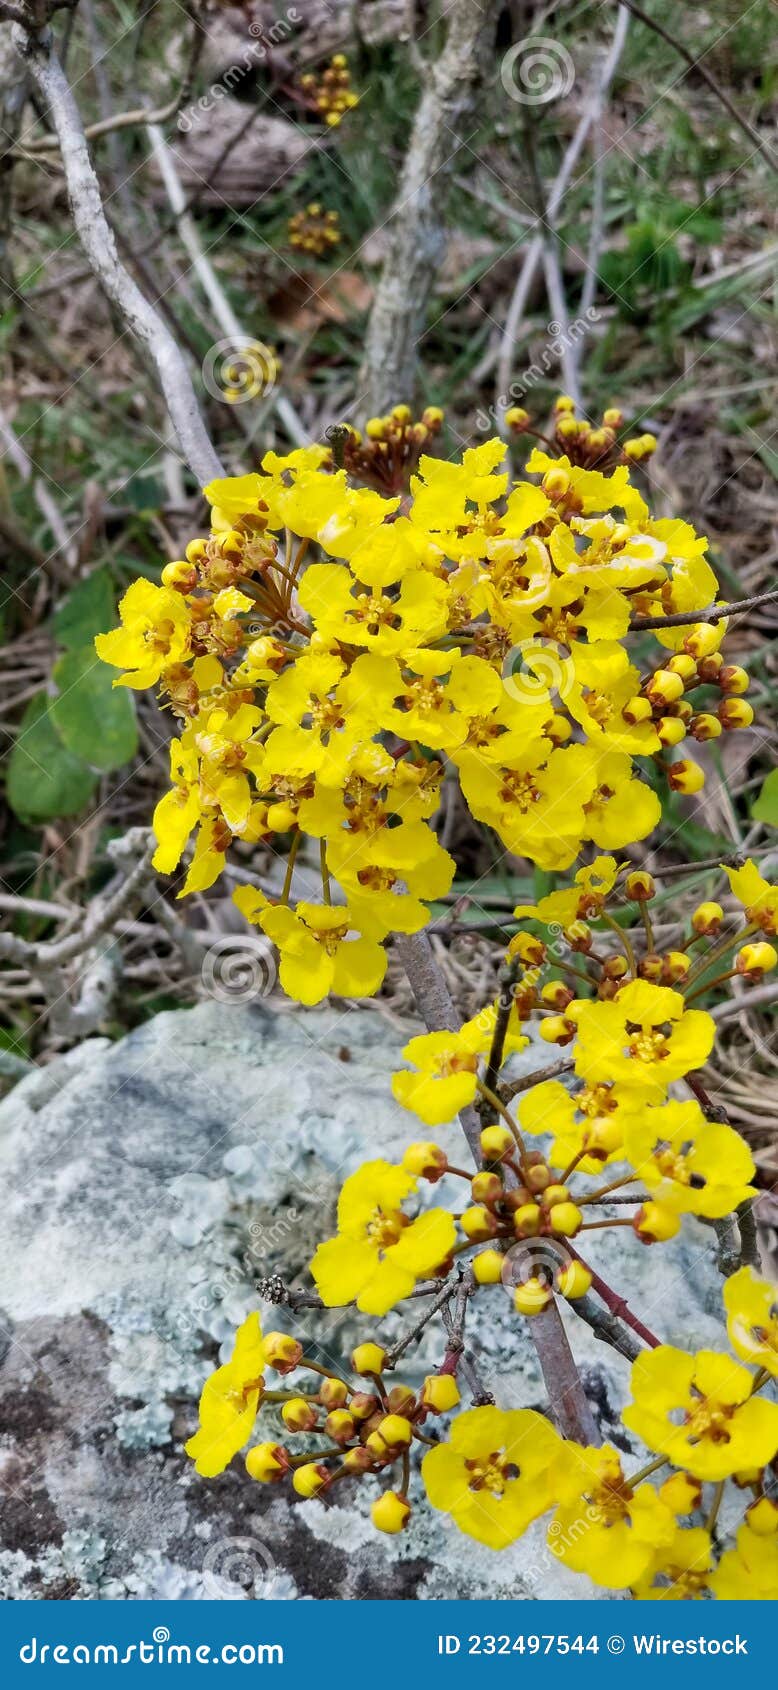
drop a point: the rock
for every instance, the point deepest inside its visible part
(150, 1185)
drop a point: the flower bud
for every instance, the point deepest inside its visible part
(556, 995)
(709, 668)
(358, 1460)
(182, 576)
(615, 968)
(532, 1297)
(640, 886)
(401, 1400)
(655, 1224)
(704, 727)
(732, 679)
(339, 1426)
(363, 1406)
(651, 966)
(310, 1479)
(266, 1462)
(707, 919)
(676, 967)
(735, 713)
(496, 1143)
(671, 730)
(516, 418)
(527, 1219)
(282, 1351)
(333, 1393)
(686, 776)
(565, 1219)
(557, 1030)
(528, 949)
(579, 936)
(563, 405)
(487, 1267)
(755, 960)
(299, 1415)
(392, 1432)
(281, 818)
(574, 1280)
(426, 1160)
(477, 1223)
(487, 1188)
(368, 1358)
(555, 1193)
(390, 1512)
(683, 664)
(440, 1393)
(612, 418)
(556, 484)
(637, 709)
(704, 638)
(538, 1178)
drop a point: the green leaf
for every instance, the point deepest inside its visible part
(44, 778)
(94, 719)
(765, 807)
(90, 609)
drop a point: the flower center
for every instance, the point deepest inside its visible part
(491, 1472)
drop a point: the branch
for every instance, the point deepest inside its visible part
(713, 613)
(715, 87)
(415, 237)
(100, 247)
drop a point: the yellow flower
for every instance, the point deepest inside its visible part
(689, 1164)
(447, 1066)
(752, 1318)
(379, 1253)
(644, 1037)
(537, 804)
(496, 1475)
(758, 897)
(683, 1568)
(748, 1573)
(229, 1403)
(699, 1411)
(622, 808)
(317, 955)
(417, 614)
(153, 636)
(603, 1526)
(584, 900)
(589, 1120)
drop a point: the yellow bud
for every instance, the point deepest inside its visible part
(532, 1297)
(671, 730)
(579, 936)
(197, 550)
(556, 483)
(756, 959)
(181, 575)
(556, 1194)
(683, 664)
(393, 1432)
(664, 687)
(565, 1219)
(640, 886)
(539, 1178)
(357, 1460)
(340, 1426)
(655, 1224)
(556, 995)
(676, 967)
(477, 1223)
(281, 818)
(527, 1220)
(649, 443)
(374, 428)
(733, 679)
(487, 1188)
(704, 638)
(704, 727)
(402, 413)
(563, 403)
(574, 1280)
(266, 1462)
(707, 918)
(426, 1160)
(556, 1030)
(612, 418)
(299, 1415)
(363, 1405)
(496, 1142)
(282, 1351)
(310, 1479)
(686, 776)
(516, 418)
(333, 1393)
(368, 1358)
(432, 416)
(528, 949)
(440, 1393)
(487, 1267)
(636, 710)
(390, 1512)
(735, 713)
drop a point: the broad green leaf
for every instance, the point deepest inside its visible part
(765, 807)
(44, 778)
(94, 719)
(90, 609)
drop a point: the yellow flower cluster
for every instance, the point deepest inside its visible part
(703, 1416)
(314, 230)
(325, 679)
(330, 94)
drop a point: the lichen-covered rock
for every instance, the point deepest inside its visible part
(149, 1186)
